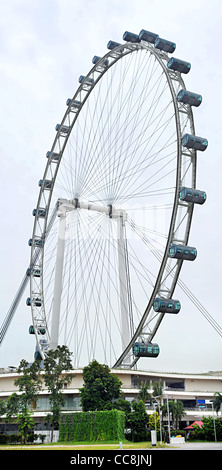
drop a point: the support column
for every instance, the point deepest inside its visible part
(124, 301)
(58, 278)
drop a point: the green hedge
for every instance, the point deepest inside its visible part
(92, 426)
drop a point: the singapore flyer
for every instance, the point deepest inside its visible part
(115, 206)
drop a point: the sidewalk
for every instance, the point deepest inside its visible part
(198, 446)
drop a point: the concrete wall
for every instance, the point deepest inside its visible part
(203, 385)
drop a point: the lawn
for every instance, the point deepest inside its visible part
(84, 446)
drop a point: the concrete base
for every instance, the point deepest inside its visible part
(177, 440)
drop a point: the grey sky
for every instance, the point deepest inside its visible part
(44, 46)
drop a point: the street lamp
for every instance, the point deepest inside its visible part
(158, 403)
(168, 412)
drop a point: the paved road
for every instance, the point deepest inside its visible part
(198, 446)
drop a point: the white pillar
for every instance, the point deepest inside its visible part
(124, 301)
(58, 279)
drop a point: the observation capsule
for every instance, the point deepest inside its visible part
(40, 331)
(88, 81)
(37, 242)
(43, 343)
(131, 37)
(166, 305)
(37, 355)
(148, 36)
(61, 128)
(53, 155)
(188, 97)
(112, 45)
(145, 350)
(37, 301)
(74, 104)
(164, 45)
(194, 142)
(47, 184)
(183, 252)
(35, 271)
(192, 195)
(96, 59)
(41, 212)
(178, 65)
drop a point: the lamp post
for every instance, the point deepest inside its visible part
(210, 402)
(168, 413)
(158, 403)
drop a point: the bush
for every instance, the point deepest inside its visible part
(92, 426)
(206, 432)
(10, 439)
(3, 439)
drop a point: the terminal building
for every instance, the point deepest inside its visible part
(194, 390)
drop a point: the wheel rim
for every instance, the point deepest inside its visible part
(122, 149)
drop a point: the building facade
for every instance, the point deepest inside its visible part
(192, 389)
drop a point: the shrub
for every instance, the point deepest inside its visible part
(92, 426)
(206, 432)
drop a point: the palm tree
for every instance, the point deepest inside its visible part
(158, 389)
(144, 395)
(176, 410)
(171, 409)
(179, 412)
(217, 402)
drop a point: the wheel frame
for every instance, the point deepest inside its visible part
(183, 113)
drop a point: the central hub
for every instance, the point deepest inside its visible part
(110, 210)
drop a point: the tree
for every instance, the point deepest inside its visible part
(29, 382)
(217, 402)
(144, 395)
(56, 362)
(138, 421)
(125, 406)
(19, 404)
(2, 407)
(176, 409)
(100, 387)
(206, 431)
(158, 389)
(154, 421)
(171, 410)
(178, 412)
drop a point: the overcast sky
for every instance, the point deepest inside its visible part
(44, 46)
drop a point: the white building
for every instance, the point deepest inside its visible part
(189, 388)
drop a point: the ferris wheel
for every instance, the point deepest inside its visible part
(115, 205)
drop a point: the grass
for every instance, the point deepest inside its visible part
(108, 445)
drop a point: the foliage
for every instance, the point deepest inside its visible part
(25, 425)
(138, 421)
(154, 421)
(158, 388)
(100, 387)
(92, 426)
(29, 382)
(17, 438)
(206, 432)
(176, 409)
(19, 404)
(144, 395)
(56, 362)
(2, 407)
(125, 406)
(217, 401)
